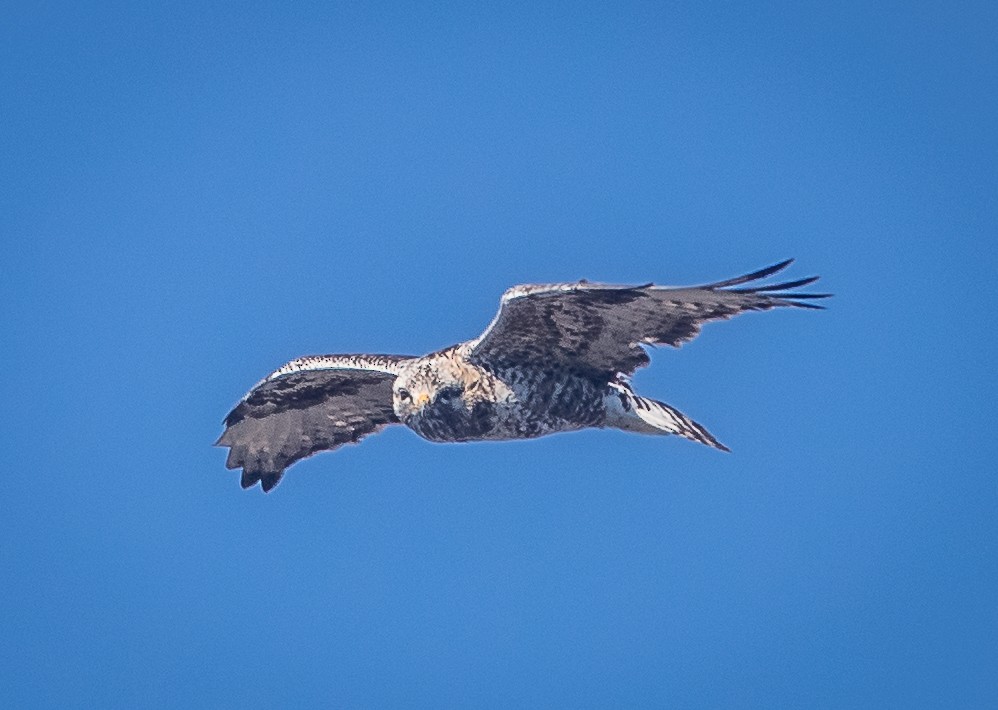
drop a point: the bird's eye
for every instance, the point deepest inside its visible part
(404, 395)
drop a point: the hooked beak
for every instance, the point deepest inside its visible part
(422, 399)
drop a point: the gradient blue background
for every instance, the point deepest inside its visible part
(191, 197)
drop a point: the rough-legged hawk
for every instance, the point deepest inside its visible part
(555, 358)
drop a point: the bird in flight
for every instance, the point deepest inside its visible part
(556, 357)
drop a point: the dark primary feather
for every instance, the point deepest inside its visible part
(291, 416)
(600, 327)
(754, 276)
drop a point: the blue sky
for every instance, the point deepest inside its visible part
(190, 197)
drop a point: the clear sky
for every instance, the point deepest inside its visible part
(189, 197)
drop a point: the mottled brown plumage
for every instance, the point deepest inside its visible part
(555, 358)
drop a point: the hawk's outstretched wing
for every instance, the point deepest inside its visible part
(309, 405)
(601, 327)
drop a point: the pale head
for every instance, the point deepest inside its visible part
(439, 398)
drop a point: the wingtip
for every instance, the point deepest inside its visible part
(774, 269)
(754, 276)
(797, 283)
(270, 481)
(779, 293)
(267, 481)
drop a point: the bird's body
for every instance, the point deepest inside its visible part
(556, 358)
(500, 403)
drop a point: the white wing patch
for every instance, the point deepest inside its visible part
(382, 363)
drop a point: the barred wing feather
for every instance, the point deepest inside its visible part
(309, 405)
(601, 327)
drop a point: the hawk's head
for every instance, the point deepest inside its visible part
(438, 401)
